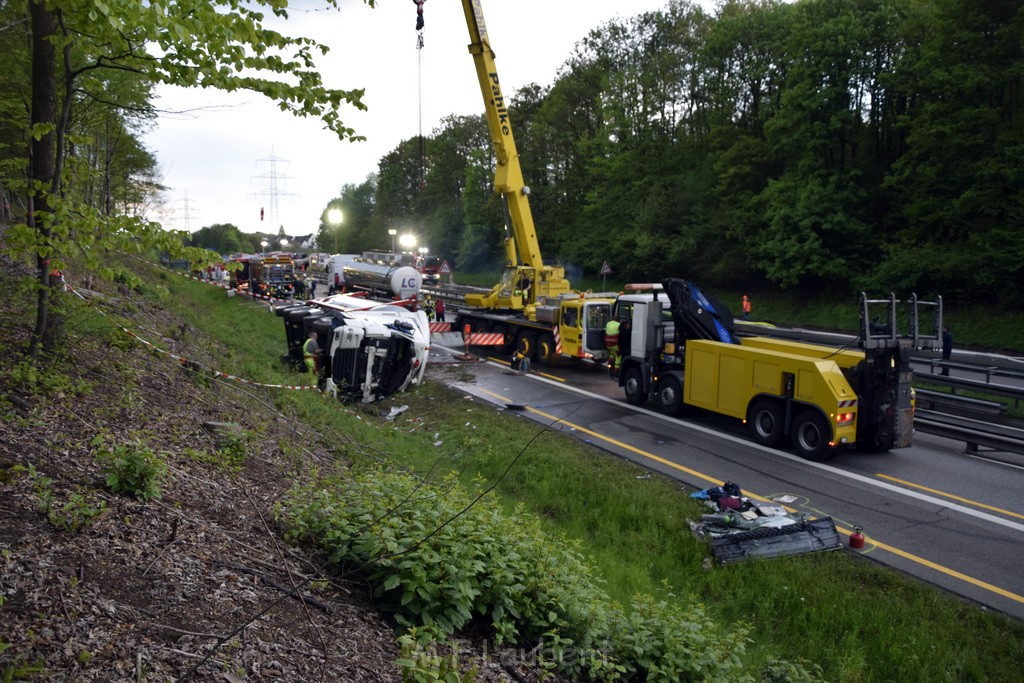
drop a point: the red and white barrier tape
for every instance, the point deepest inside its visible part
(186, 361)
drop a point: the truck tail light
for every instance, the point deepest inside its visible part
(844, 419)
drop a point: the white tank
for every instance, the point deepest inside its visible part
(402, 281)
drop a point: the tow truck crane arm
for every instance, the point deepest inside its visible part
(522, 248)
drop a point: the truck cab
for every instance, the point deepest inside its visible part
(429, 267)
(369, 349)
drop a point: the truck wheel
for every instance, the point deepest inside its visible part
(670, 396)
(525, 343)
(767, 422)
(810, 436)
(546, 349)
(633, 383)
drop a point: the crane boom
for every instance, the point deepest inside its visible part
(525, 264)
(508, 175)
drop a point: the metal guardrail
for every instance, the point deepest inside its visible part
(989, 371)
(931, 399)
(1007, 444)
(989, 388)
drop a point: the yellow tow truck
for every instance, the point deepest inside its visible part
(680, 348)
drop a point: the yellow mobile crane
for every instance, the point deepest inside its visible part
(533, 306)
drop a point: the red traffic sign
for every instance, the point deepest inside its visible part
(445, 269)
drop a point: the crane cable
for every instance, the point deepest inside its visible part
(419, 64)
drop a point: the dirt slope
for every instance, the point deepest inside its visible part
(195, 585)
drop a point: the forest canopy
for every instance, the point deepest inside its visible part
(836, 145)
(816, 145)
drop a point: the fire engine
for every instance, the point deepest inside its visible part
(272, 276)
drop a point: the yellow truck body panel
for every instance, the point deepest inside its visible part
(725, 378)
(845, 358)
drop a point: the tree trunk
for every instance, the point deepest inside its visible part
(41, 152)
(5, 208)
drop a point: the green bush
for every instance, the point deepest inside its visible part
(666, 640)
(425, 663)
(437, 564)
(35, 378)
(230, 454)
(439, 558)
(80, 509)
(123, 276)
(133, 468)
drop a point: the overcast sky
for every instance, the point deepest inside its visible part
(240, 154)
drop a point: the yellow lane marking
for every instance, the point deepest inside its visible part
(952, 496)
(949, 572)
(536, 372)
(700, 475)
(626, 446)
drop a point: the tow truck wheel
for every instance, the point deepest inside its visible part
(633, 384)
(546, 349)
(670, 396)
(766, 421)
(810, 436)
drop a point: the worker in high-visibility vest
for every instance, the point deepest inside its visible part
(746, 307)
(521, 362)
(611, 342)
(310, 350)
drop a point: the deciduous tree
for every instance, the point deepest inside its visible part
(219, 44)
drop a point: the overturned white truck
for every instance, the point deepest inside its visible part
(368, 349)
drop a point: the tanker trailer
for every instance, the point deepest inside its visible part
(382, 279)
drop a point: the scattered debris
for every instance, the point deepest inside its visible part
(395, 412)
(739, 528)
